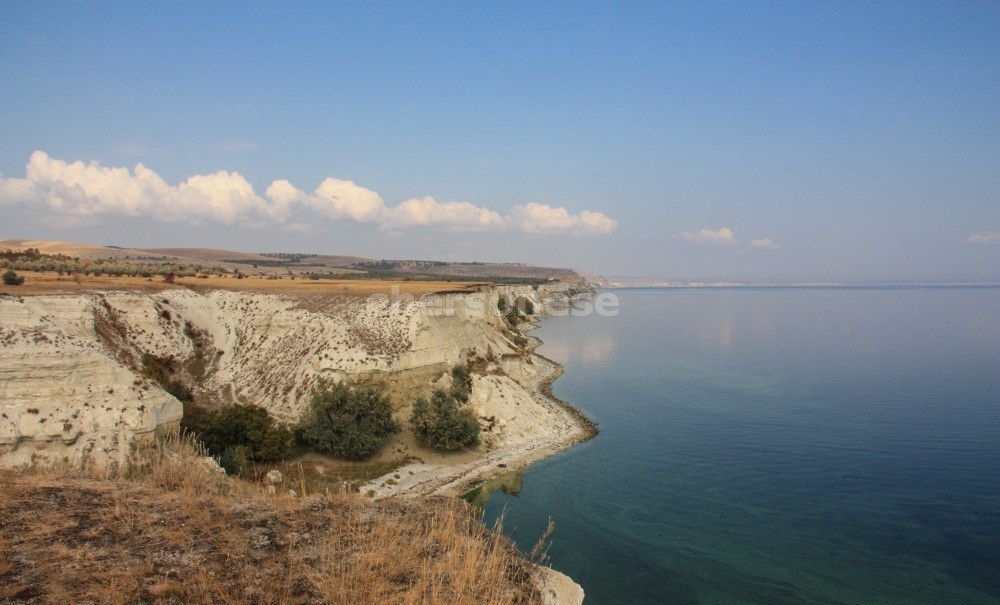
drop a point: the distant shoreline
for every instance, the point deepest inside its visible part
(737, 286)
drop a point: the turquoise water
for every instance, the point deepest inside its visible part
(776, 446)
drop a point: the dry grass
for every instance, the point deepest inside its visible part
(41, 283)
(178, 532)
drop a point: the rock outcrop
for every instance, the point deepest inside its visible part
(74, 387)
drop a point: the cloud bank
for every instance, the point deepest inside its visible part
(719, 237)
(724, 236)
(764, 243)
(985, 237)
(90, 190)
(542, 218)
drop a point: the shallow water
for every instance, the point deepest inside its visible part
(776, 446)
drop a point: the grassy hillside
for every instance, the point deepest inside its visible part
(177, 531)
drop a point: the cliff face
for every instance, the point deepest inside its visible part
(63, 393)
(72, 386)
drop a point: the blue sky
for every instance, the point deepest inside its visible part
(789, 141)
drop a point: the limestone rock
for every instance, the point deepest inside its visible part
(72, 387)
(558, 588)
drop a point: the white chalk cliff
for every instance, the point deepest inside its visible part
(72, 387)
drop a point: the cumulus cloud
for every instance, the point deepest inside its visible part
(764, 243)
(719, 237)
(90, 191)
(460, 216)
(544, 219)
(338, 200)
(985, 237)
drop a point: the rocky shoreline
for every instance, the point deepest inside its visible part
(73, 390)
(563, 427)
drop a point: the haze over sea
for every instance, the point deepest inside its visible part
(777, 446)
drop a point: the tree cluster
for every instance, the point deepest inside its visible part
(239, 435)
(33, 260)
(344, 420)
(350, 421)
(441, 422)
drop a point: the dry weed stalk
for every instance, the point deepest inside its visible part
(173, 530)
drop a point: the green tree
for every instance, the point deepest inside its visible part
(347, 421)
(441, 424)
(461, 383)
(239, 435)
(11, 278)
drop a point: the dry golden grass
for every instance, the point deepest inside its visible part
(178, 532)
(41, 283)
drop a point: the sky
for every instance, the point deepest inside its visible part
(754, 141)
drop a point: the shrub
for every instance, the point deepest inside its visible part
(439, 423)
(347, 421)
(461, 383)
(164, 371)
(239, 435)
(10, 278)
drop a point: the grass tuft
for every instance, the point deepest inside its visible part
(171, 529)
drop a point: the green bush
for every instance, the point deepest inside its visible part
(11, 278)
(239, 435)
(439, 423)
(347, 421)
(461, 383)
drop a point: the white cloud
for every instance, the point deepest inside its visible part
(284, 196)
(459, 216)
(541, 218)
(90, 190)
(337, 199)
(764, 243)
(80, 191)
(223, 197)
(985, 237)
(719, 237)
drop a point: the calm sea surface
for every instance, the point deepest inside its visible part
(776, 446)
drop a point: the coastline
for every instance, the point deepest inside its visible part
(91, 341)
(568, 426)
(456, 480)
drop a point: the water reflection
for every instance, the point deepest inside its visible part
(719, 334)
(595, 347)
(509, 483)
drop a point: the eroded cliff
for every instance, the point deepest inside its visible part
(74, 370)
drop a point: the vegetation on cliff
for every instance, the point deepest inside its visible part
(239, 436)
(350, 421)
(441, 423)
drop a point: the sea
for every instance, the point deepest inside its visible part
(773, 446)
